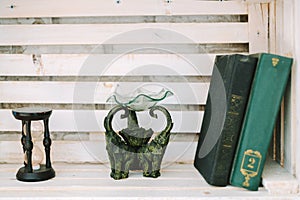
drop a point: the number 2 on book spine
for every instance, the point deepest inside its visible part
(250, 165)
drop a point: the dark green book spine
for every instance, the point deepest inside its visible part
(264, 102)
(228, 93)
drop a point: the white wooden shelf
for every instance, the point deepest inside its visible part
(178, 181)
(65, 40)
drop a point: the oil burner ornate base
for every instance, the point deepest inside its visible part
(132, 148)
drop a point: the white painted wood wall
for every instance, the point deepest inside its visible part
(71, 56)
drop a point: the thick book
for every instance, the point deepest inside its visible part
(226, 102)
(268, 87)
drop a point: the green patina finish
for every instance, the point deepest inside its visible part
(132, 148)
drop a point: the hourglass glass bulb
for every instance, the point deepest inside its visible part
(37, 155)
(36, 158)
(36, 130)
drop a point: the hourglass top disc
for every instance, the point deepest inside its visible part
(32, 113)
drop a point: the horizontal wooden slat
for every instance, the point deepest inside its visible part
(124, 33)
(82, 8)
(91, 152)
(127, 19)
(94, 92)
(134, 78)
(84, 106)
(204, 48)
(83, 136)
(105, 64)
(92, 121)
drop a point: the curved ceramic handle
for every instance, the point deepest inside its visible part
(108, 119)
(168, 117)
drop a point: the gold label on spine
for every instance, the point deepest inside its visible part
(235, 104)
(275, 61)
(250, 165)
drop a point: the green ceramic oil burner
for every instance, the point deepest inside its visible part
(135, 148)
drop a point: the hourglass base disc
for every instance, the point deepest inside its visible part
(41, 174)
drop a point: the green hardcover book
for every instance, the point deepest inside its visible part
(227, 98)
(268, 87)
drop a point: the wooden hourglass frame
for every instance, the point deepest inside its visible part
(45, 171)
